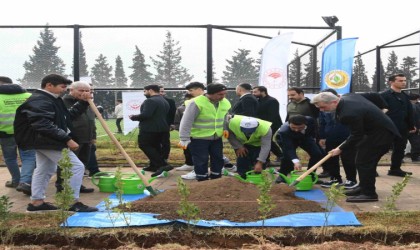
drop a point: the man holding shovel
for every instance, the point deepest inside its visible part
(371, 133)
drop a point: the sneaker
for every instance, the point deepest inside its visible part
(350, 184)
(185, 167)
(230, 167)
(80, 207)
(190, 176)
(328, 184)
(24, 188)
(11, 184)
(46, 206)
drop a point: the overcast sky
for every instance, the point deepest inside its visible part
(374, 22)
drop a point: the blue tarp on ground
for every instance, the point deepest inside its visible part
(106, 219)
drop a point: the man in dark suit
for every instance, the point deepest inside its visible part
(247, 104)
(371, 134)
(400, 110)
(269, 110)
(153, 127)
(166, 141)
(299, 131)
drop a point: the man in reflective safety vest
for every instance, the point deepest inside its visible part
(11, 97)
(251, 139)
(202, 126)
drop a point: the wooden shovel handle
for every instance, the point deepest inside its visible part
(117, 143)
(314, 167)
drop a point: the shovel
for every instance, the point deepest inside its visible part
(149, 188)
(313, 168)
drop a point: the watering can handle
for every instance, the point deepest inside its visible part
(313, 168)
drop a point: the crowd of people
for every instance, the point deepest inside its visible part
(356, 128)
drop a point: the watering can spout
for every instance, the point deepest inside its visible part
(285, 178)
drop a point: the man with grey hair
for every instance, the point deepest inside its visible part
(371, 134)
(84, 129)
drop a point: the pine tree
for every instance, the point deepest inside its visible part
(240, 69)
(44, 61)
(258, 61)
(170, 72)
(214, 78)
(360, 81)
(83, 66)
(382, 83)
(409, 68)
(309, 80)
(140, 76)
(295, 71)
(102, 72)
(392, 67)
(120, 79)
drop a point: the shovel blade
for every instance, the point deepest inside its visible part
(294, 183)
(152, 191)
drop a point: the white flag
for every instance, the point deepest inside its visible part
(132, 102)
(273, 73)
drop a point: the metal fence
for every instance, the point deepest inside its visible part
(205, 49)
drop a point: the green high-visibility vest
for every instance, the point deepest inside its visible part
(8, 105)
(255, 139)
(210, 120)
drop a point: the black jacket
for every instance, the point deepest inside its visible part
(172, 109)
(84, 128)
(153, 115)
(289, 139)
(363, 119)
(247, 105)
(44, 122)
(268, 109)
(400, 110)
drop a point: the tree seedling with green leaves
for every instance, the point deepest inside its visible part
(187, 210)
(65, 198)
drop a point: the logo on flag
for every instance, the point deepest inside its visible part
(134, 104)
(274, 78)
(337, 79)
(337, 65)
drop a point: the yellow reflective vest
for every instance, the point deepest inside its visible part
(210, 120)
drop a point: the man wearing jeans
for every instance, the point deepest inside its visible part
(43, 123)
(11, 97)
(202, 125)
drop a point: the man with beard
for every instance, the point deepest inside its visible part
(269, 110)
(153, 128)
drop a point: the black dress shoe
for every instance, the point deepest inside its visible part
(324, 174)
(150, 168)
(84, 189)
(353, 192)
(161, 169)
(363, 198)
(399, 172)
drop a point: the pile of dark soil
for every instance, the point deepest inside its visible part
(226, 199)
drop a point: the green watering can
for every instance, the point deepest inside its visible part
(303, 185)
(131, 183)
(251, 176)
